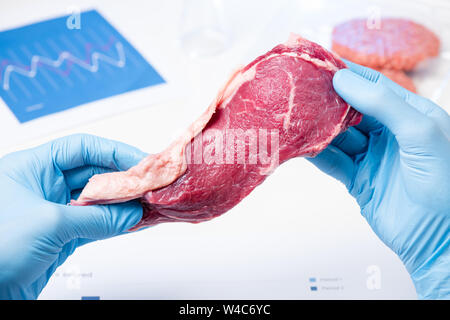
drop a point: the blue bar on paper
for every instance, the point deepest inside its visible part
(48, 67)
(90, 298)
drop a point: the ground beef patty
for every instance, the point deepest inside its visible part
(400, 78)
(397, 44)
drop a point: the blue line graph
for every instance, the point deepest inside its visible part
(65, 55)
(47, 68)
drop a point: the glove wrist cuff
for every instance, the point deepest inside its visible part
(432, 279)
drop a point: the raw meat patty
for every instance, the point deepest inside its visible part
(400, 78)
(286, 93)
(398, 44)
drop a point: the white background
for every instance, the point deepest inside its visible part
(297, 225)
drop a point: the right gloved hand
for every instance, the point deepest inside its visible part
(396, 163)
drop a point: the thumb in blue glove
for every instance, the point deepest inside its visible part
(396, 163)
(38, 230)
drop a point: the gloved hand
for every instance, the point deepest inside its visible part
(396, 163)
(38, 230)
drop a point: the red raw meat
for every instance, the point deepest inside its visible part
(396, 43)
(284, 99)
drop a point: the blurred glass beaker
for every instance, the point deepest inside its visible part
(203, 30)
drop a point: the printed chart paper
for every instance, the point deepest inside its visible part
(48, 67)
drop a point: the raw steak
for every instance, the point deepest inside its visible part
(284, 99)
(395, 43)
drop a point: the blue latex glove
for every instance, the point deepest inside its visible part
(396, 163)
(38, 231)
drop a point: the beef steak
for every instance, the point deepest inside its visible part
(281, 105)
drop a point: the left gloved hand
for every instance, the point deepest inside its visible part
(38, 230)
